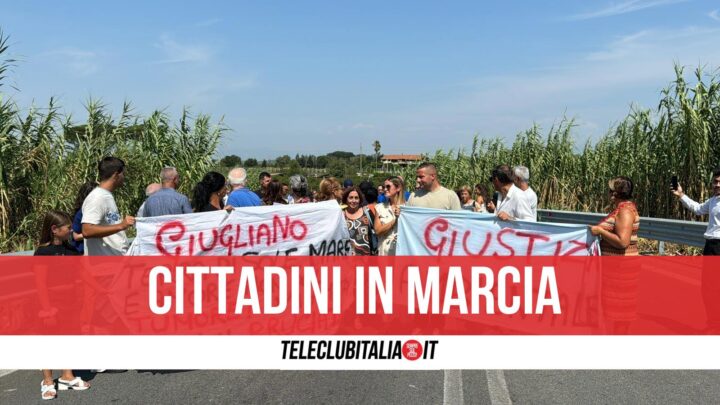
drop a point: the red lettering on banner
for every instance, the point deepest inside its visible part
(531, 240)
(228, 243)
(175, 237)
(579, 247)
(303, 230)
(501, 243)
(277, 223)
(264, 232)
(440, 238)
(488, 236)
(251, 235)
(441, 225)
(212, 245)
(238, 244)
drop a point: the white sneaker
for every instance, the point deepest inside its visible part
(102, 370)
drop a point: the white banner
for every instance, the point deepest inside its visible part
(316, 229)
(431, 232)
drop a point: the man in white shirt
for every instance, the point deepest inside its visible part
(710, 278)
(711, 208)
(521, 179)
(512, 204)
(102, 225)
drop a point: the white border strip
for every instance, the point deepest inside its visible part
(452, 352)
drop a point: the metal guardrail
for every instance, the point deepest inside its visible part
(664, 230)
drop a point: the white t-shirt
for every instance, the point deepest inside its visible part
(516, 205)
(99, 209)
(532, 200)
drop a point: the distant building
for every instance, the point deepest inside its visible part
(392, 162)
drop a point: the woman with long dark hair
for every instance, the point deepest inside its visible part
(273, 194)
(209, 192)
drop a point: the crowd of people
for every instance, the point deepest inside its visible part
(97, 228)
(371, 212)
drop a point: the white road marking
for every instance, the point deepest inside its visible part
(6, 372)
(452, 387)
(497, 387)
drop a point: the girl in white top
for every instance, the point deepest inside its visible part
(387, 215)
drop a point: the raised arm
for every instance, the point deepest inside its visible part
(694, 206)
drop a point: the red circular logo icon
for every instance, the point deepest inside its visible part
(412, 350)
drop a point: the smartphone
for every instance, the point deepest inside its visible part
(496, 196)
(674, 182)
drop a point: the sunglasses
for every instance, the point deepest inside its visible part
(388, 186)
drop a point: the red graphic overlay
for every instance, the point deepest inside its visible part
(359, 296)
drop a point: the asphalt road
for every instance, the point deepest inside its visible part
(375, 387)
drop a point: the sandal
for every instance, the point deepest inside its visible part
(76, 383)
(44, 389)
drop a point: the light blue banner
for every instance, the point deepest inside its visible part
(431, 232)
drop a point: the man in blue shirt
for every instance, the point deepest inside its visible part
(240, 195)
(167, 201)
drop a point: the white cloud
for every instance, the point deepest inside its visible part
(623, 8)
(715, 15)
(79, 62)
(176, 52)
(207, 23)
(651, 41)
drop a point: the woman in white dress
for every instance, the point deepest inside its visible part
(388, 214)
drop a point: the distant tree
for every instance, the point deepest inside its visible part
(264, 163)
(231, 161)
(252, 162)
(293, 167)
(340, 154)
(322, 162)
(336, 167)
(376, 148)
(282, 161)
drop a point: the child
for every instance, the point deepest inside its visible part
(54, 238)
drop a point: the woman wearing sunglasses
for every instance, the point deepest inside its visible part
(387, 215)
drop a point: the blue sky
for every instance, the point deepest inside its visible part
(313, 77)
